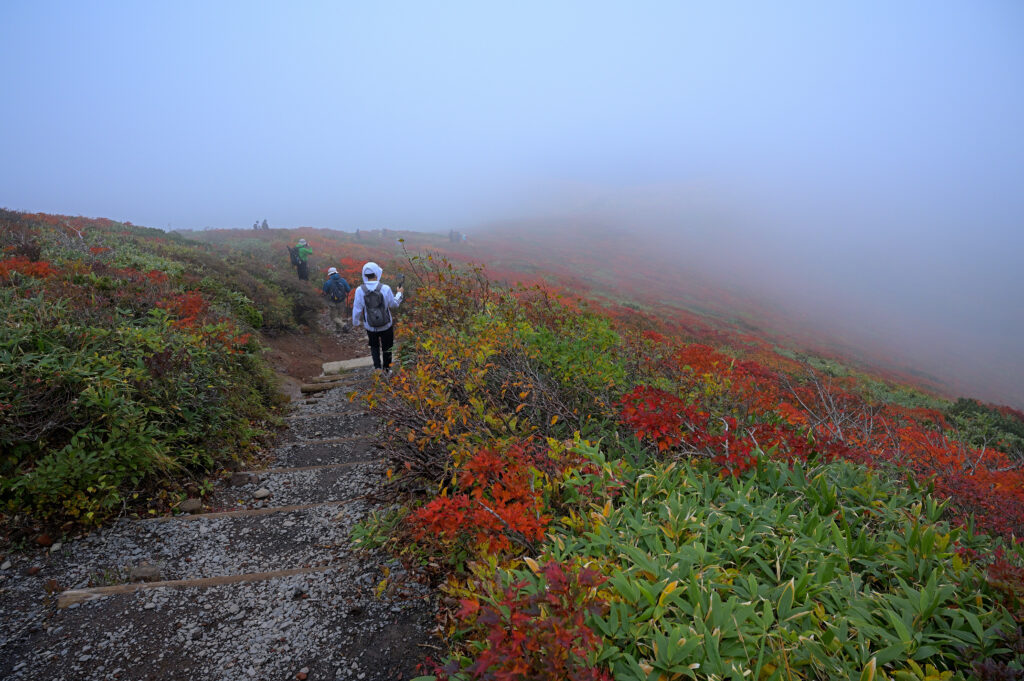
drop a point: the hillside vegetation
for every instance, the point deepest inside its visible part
(604, 486)
(128, 358)
(605, 501)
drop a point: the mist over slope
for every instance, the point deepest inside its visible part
(881, 310)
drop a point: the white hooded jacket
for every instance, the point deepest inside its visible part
(391, 301)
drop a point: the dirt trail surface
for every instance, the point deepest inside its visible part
(261, 582)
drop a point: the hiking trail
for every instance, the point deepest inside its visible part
(260, 582)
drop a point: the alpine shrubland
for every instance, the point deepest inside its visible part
(127, 358)
(600, 500)
(602, 487)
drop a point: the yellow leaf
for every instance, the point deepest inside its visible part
(534, 567)
(668, 590)
(868, 674)
(554, 419)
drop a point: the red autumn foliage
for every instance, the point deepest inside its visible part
(668, 422)
(538, 634)
(496, 505)
(655, 415)
(25, 267)
(827, 419)
(188, 307)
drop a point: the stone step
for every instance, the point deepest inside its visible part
(300, 485)
(328, 621)
(211, 545)
(330, 427)
(325, 452)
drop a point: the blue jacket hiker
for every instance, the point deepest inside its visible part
(372, 309)
(336, 289)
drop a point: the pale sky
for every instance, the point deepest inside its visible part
(867, 154)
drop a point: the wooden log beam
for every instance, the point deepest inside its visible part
(320, 387)
(79, 595)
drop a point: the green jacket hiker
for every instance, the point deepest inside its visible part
(302, 251)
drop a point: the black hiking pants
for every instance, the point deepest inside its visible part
(381, 340)
(303, 271)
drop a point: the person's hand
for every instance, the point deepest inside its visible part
(401, 289)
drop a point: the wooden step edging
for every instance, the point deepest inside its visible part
(248, 512)
(333, 378)
(320, 467)
(73, 596)
(334, 440)
(331, 414)
(320, 387)
(346, 365)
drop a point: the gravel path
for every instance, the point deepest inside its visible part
(327, 622)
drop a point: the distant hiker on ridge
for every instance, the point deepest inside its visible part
(336, 289)
(300, 258)
(372, 308)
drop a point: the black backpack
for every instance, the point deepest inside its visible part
(339, 289)
(375, 311)
(294, 253)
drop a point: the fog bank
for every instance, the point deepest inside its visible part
(933, 288)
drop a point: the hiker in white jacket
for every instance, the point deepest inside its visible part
(373, 303)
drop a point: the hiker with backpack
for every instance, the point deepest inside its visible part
(372, 308)
(300, 258)
(336, 289)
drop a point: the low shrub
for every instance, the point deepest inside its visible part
(786, 573)
(112, 378)
(743, 522)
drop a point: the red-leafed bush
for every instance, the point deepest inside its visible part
(535, 630)
(188, 307)
(496, 505)
(653, 414)
(25, 267)
(668, 422)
